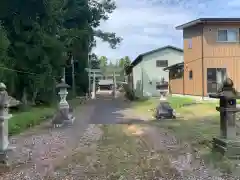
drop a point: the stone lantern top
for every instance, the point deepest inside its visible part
(62, 84)
(228, 83)
(227, 90)
(2, 86)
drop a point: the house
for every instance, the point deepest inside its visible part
(146, 71)
(211, 51)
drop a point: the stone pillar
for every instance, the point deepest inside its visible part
(114, 85)
(163, 95)
(4, 117)
(94, 86)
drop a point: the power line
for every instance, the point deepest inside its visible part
(30, 73)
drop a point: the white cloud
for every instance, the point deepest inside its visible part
(147, 24)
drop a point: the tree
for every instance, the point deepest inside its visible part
(103, 61)
(94, 61)
(127, 61)
(123, 63)
(38, 38)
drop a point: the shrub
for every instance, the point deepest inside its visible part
(129, 94)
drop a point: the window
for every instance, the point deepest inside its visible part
(162, 63)
(227, 35)
(189, 43)
(190, 74)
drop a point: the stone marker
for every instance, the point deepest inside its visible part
(164, 109)
(228, 143)
(64, 113)
(4, 117)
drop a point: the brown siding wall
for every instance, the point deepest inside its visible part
(232, 64)
(176, 86)
(214, 49)
(193, 61)
(221, 55)
(193, 86)
(215, 55)
(194, 33)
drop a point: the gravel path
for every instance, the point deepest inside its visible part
(39, 150)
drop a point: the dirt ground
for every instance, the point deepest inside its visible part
(108, 142)
(135, 150)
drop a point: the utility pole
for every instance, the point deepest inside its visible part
(89, 74)
(73, 77)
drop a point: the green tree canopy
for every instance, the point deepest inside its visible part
(39, 38)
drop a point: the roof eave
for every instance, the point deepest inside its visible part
(207, 20)
(178, 65)
(189, 24)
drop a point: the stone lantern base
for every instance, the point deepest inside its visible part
(63, 116)
(228, 148)
(164, 111)
(4, 161)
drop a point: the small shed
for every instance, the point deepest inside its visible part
(176, 78)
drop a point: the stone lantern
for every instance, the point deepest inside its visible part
(63, 114)
(63, 86)
(4, 117)
(164, 109)
(163, 89)
(228, 143)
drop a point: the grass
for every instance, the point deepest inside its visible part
(24, 120)
(142, 106)
(34, 116)
(197, 125)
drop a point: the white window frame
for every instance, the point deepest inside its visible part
(162, 66)
(189, 41)
(227, 29)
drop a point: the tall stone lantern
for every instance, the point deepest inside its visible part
(228, 143)
(63, 86)
(63, 115)
(4, 117)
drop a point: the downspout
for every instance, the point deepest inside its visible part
(183, 78)
(203, 85)
(142, 80)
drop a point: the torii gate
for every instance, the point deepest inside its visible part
(94, 75)
(115, 73)
(94, 71)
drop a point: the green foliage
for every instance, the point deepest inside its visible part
(24, 120)
(129, 94)
(36, 38)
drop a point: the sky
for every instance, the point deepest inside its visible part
(145, 25)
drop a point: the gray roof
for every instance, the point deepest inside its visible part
(178, 65)
(208, 20)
